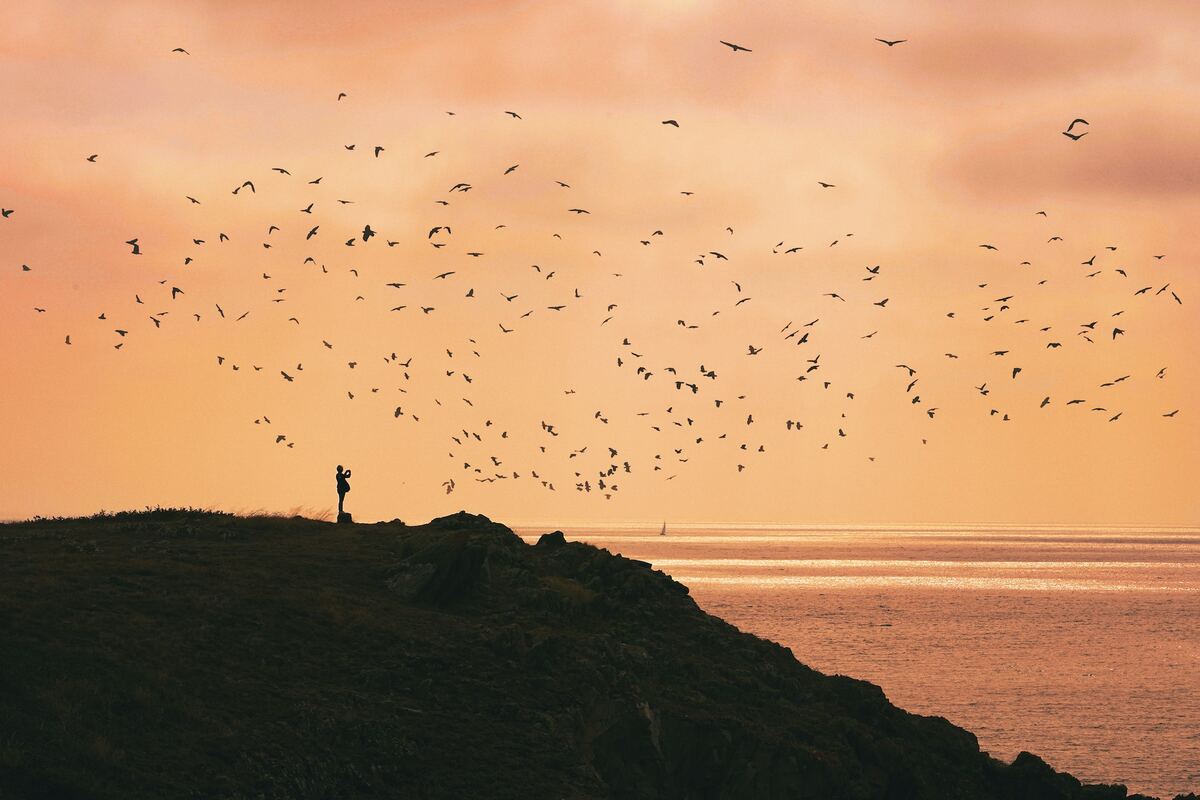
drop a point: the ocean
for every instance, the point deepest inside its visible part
(1082, 646)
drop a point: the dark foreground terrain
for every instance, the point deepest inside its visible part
(178, 654)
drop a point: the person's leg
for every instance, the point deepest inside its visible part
(341, 499)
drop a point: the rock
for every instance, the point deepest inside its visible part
(410, 580)
(462, 521)
(1114, 791)
(448, 569)
(555, 539)
(508, 640)
(344, 518)
(1030, 777)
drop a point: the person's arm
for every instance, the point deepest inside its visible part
(347, 473)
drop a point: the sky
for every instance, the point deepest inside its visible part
(494, 401)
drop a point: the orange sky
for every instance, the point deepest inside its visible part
(935, 146)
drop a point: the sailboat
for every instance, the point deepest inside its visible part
(663, 532)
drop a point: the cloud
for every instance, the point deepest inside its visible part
(1151, 150)
(1006, 54)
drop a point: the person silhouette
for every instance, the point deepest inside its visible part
(343, 486)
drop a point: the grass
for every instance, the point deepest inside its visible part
(161, 513)
(134, 638)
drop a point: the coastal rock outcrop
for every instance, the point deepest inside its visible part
(204, 655)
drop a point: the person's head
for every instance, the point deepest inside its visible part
(339, 467)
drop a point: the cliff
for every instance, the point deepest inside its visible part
(191, 654)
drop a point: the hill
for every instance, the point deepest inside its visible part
(184, 654)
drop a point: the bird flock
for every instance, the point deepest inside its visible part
(693, 404)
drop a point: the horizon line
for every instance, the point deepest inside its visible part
(639, 525)
(865, 527)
